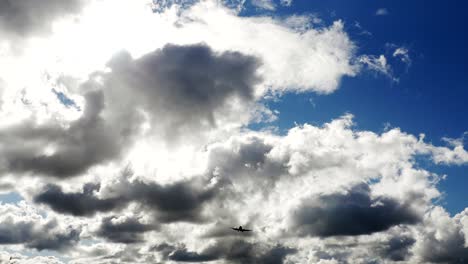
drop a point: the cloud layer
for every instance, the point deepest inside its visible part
(138, 145)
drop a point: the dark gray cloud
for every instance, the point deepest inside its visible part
(128, 231)
(231, 251)
(397, 248)
(85, 203)
(37, 236)
(21, 18)
(350, 214)
(183, 255)
(87, 141)
(180, 201)
(56, 242)
(182, 87)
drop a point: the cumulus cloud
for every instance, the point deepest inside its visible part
(85, 142)
(180, 201)
(234, 251)
(180, 113)
(352, 213)
(319, 56)
(21, 224)
(180, 89)
(441, 239)
(16, 258)
(78, 204)
(183, 88)
(397, 248)
(126, 230)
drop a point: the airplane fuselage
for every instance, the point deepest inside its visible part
(240, 229)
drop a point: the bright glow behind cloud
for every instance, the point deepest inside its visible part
(126, 132)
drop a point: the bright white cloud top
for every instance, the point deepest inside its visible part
(124, 126)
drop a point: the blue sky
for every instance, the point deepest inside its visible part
(430, 95)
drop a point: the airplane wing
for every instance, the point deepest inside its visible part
(246, 230)
(234, 228)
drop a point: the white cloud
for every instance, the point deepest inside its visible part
(381, 12)
(294, 59)
(403, 54)
(264, 4)
(377, 64)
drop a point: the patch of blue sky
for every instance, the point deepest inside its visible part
(10, 198)
(65, 100)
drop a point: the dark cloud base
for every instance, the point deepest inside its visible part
(350, 214)
(231, 251)
(181, 201)
(37, 236)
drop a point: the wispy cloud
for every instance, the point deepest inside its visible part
(381, 12)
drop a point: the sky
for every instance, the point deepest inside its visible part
(139, 131)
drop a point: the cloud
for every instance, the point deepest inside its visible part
(85, 142)
(311, 169)
(321, 55)
(180, 114)
(381, 12)
(442, 239)
(235, 251)
(246, 159)
(180, 201)
(264, 4)
(350, 214)
(398, 248)
(78, 204)
(127, 230)
(183, 88)
(16, 258)
(403, 54)
(21, 18)
(19, 224)
(377, 64)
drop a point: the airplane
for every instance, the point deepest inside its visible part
(240, 229)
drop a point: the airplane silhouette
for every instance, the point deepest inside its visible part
(240, 229)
